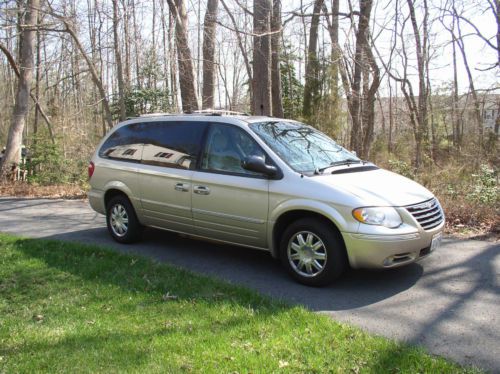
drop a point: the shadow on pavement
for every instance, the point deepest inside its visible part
(258, 270)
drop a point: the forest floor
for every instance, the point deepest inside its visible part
(56, 191)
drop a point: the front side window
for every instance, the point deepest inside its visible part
(227, 147)
(172, 144)
(305, 149)
(124, 144)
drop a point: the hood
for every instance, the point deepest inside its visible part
(378, 187)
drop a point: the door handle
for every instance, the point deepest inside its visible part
(181, 187)
(201, 190)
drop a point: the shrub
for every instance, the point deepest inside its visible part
(47, 164)
(402, 168)
(484, 186)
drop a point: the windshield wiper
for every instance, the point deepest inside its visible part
(347, 162)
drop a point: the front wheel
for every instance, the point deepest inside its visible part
(312, 252)
(122, 221)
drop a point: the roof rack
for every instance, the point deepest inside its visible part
(217, 112)
(155, 114)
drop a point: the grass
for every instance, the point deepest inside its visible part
(68, 307)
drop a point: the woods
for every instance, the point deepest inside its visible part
(415, 80)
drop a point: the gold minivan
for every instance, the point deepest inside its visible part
(266, 183)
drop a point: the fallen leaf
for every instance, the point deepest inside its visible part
(283, 364)
(169, 296)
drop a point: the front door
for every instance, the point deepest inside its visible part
(230, 203)
(169, 156)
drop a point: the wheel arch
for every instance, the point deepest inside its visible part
(286, 216)
(116, 188)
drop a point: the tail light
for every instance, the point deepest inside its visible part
(91, 169)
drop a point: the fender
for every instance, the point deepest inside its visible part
(322, 208)
(120, 186)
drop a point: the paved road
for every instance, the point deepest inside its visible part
(449, 302)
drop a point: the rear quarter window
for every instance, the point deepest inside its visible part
(124, 144)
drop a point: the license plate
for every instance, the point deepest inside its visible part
(436, 241)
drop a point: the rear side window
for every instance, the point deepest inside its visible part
(172, 144)
(124, 144)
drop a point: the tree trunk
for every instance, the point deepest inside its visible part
(14, 140)
(164, 46)
(209, 54)
(277, 102)
(126, 37)
(477, 111)
(457, 137)
(359, 61)
(118, 60)
(95, 76)
(336, 55)
(262, 86)
(186, 71)
(423, 93)
(173, 66)
(312, 67)
(37, 81)
(137, 41)
(391, 120)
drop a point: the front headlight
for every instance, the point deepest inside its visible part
(380, 216)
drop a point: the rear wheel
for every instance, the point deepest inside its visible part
(312, 252)
(122, 221)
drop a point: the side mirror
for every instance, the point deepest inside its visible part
(258, 164)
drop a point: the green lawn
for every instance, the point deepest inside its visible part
(78, 308)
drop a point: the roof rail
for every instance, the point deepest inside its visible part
(218, 112)
(155, 114)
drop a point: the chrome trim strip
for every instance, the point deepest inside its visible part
(387, 238)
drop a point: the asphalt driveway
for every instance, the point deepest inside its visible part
(450, 302)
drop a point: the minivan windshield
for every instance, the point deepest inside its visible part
(304, 148)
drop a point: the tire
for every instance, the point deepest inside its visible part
(324, 258)
(122, 221)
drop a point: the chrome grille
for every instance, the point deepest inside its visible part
(428, 213)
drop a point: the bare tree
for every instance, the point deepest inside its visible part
(14, 140)
(421, 112)
(185, 61)
(277, 102)
(118, 60)
(262, 87)
(242, 49)
(360, 82)
(417, 104)
(209, 54)
(311, 87)
(459, 39)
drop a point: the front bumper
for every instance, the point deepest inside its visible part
(388, 251)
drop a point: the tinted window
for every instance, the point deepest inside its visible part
(124, 144)
(172, 144)
(226, 147)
